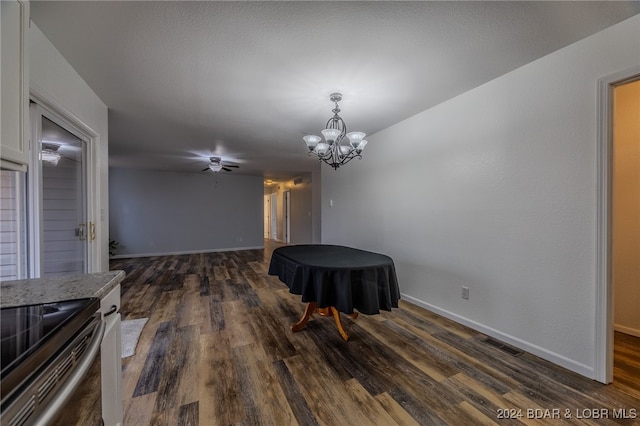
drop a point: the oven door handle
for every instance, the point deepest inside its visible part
(113, 310)
(51, 410)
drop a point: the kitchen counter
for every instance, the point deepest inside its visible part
(103, 285)
(53, 289)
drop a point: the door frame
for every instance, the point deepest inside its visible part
(603, 365)
(273, 224)
(59, 115)
(267, 216)
(286, 197)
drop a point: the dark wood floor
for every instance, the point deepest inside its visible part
(626, 364)
(217, 350)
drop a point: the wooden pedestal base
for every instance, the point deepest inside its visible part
(328, 311)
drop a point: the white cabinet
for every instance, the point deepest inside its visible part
(14, 84)
(110, 359)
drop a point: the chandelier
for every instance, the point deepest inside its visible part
(339, 147)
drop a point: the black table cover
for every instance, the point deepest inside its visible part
(342, 277)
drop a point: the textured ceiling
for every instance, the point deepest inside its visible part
(246, 80)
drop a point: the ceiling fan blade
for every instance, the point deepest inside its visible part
(229, 165)
(204, 170)
(226, 170)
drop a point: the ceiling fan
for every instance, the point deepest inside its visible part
(216, 164)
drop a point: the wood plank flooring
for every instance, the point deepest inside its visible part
(217, 350)
(626, 363)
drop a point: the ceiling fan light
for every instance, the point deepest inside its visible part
(215, 167)
(50, 156)
(330, 135)
(312, 141)
(355, 138)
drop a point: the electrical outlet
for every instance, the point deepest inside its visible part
(465, 293)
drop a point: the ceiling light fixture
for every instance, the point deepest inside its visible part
(216, 164)
(50, 153)
(215, 167)
(332, 151)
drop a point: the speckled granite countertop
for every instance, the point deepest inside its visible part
(45, 290)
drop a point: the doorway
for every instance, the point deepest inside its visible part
(625, 232)
(605, 256)
(61, 231)
(277, 213)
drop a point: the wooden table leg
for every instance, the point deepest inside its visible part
(310, 309)
(325, 312)
(336, 315)
(328, 311)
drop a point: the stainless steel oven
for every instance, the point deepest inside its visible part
(46, 349)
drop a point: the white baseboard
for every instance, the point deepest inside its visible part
(627, 330)
(175, 253)
(553, 357)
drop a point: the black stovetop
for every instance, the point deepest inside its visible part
(32, 334)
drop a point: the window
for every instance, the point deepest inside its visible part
(13, 246)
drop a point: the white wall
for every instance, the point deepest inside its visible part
(302, 211)
(154, 213)
(494, 190)
(52, 79)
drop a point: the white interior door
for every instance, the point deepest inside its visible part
(62, 229)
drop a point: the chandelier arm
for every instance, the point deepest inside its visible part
(336, 122)
(333, 159)
(336, 153)
(351, 157)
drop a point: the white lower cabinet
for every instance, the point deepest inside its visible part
(110, 359)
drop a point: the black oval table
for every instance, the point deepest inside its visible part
(333, 279)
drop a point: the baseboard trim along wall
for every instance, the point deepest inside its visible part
(627, 330)
(175, 253)
(553, 357)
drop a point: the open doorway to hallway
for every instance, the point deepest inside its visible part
(288, 207)
(625, 233)
(273, 216)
